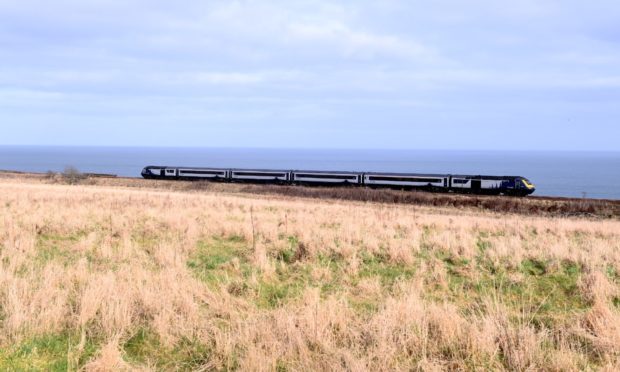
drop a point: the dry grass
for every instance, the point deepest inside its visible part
(109, 278)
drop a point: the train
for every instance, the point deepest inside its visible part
(466, 184)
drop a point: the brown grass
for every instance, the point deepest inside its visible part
(108, 278)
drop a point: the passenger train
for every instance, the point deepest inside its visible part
(486, 185)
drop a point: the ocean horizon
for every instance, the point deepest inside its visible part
(555, 173)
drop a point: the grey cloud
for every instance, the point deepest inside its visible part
(318, 63)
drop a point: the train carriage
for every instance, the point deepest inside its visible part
(152, 172)
(491, 185)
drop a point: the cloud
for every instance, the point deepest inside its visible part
(355, 43)
(334, 63)
(227, 78)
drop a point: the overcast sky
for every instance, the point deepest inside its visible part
(476, 74)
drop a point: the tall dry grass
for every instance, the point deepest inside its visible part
(144, 279)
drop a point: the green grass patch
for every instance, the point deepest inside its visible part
(612, 273)
(145, 348)
(225, 262)
(210, 262)
(54, 247)
(290, 282)
(292, 279)
(274, 294)
(54, 253)
(336, 265)
(547, 291)
(288, 254)
(54, 352)
(365, 305)
(533, 267)
(374, 265)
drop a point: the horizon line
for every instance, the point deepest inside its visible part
(304, 148)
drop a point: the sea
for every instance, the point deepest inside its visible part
(565, 174)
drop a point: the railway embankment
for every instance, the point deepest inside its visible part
(532, 205)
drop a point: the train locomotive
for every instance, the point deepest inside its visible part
(467, 184)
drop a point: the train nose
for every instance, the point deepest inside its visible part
(529, 187)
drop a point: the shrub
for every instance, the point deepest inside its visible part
(50, 175)
(72, 176)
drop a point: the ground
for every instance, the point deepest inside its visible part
(107, 277)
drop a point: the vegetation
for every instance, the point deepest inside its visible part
(532, 205)
(72, 176)
(107, 278)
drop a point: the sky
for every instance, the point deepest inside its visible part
(382, 74)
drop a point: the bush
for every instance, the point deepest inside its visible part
(50, 175)
(73, 176)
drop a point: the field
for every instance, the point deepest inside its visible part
(104, 276)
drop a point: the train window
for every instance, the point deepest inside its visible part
(216, 173)
(326, 176)
(259, 174)
(460, 182)
(170, 170)
(404, 179)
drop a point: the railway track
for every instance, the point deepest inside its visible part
(531, 205)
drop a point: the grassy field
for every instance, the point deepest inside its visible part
(111, 277)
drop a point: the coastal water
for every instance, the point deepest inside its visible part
(570, 174)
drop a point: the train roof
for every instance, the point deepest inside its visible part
(323, 171)
(259, 170)
(176, 167)
(406, 174)
(485, 177)
(395, 174)
(441, 175)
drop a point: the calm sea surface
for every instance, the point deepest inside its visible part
(554, 173)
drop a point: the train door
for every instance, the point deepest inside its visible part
(476, 185)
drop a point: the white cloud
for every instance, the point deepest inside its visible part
(227, 78)
(362, 59)
(354, 42)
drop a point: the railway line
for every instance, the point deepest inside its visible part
(446, 183)
(530, 206)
